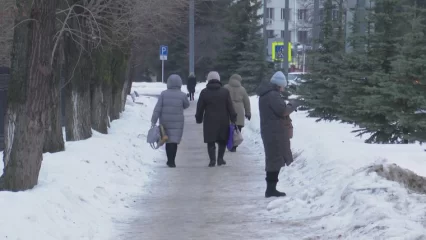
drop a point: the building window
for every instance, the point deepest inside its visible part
(302, 37)
(282, 35)
(334, 14)
(270, 33)
(302, 14)
(283, 14)
(270, 13)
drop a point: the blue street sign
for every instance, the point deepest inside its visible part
(279, 51)
(164, 50)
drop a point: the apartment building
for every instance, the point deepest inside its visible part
(299, 20)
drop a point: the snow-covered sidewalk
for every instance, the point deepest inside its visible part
(85, 189)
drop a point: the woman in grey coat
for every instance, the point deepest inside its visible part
(169, 109)
(275, 129)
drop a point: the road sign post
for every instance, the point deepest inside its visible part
(164, 50)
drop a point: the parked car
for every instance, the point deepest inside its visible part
(295, 78)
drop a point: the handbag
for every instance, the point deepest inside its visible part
(157, 137)
(235, 137)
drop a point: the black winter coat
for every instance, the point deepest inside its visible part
(216, 111)
(192, 81)
(275, 127)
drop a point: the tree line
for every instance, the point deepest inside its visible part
(379, 85)
(85, 49)
(228, 39)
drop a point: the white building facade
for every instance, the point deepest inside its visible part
(300, 22)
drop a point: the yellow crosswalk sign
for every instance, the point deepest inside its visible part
(278, 51)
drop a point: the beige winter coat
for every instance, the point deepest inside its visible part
(239, 97)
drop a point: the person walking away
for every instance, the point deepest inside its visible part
(241, 101)
(215, 110)
(169, 110)
(192, 82)
(275, 129)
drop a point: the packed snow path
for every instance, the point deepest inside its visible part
(193, 201)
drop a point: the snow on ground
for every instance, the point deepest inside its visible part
(331, 190)
(332, 194)
(156, 88)
(84, 190)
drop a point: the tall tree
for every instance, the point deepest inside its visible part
(32, 78)
(252, 65)
(322, 82)
(394, 91)
(243, 47)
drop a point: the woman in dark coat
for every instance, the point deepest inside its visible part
(192, 82)
(216, 110)
(275, 129)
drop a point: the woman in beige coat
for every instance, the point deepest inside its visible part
(240, 100)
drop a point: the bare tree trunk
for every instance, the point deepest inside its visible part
(77, 109)
(119, 67)
(54, 139)
(127, 84)
(107, 92)
(116, 104)
(30, 87)
(99, 108)
(78, 72)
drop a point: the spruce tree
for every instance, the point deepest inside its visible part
(244, 53)
(375, 106)
(321, 84)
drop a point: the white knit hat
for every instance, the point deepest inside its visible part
(279, 79)
(213, 75)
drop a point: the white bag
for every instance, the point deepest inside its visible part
(237, 137)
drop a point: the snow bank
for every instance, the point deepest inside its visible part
(85, 189)
(406, 177)
(332, 192)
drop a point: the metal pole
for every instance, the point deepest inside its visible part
(162, 71)
(316, 27)
(191, 35)
(304, 59)
(286, 37)
(265, 37)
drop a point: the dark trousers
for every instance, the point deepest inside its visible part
(191, 96)
(211, 146)
(171, 150)
(272, 176)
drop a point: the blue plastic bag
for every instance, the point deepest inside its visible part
(230, 143)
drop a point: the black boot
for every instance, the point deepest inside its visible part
(171, 149)
(221, 154)
(211, 149)
(271, 185)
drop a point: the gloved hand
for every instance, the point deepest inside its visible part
(248, 116)
(153, 125)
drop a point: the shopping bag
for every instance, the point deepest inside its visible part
(156, 137)
(237, 137)
(230, 143)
